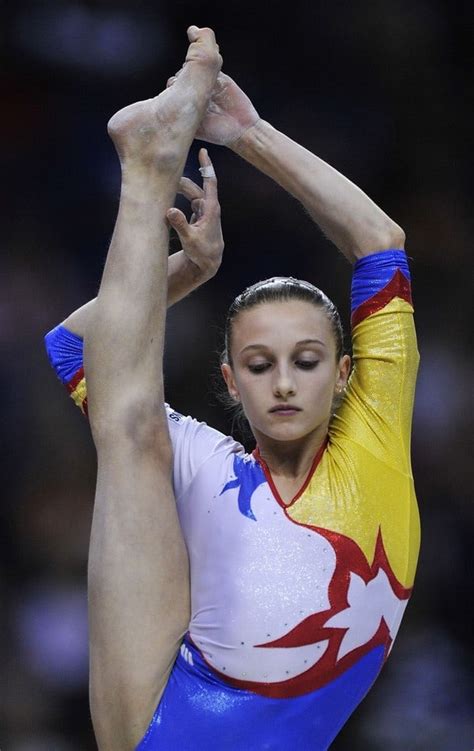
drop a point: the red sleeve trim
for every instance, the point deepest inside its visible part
(398, 286)
(77, 378)
(73, 384)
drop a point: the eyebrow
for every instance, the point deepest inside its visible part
(298, 344)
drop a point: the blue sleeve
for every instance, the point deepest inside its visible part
(377, 279)
(65, 352)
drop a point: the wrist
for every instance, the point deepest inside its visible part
(206, 269)
(198, 275)
(192, 273)
(251, 138)
(184, 276)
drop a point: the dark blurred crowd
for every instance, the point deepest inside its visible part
(379, 89)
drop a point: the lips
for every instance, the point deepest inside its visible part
(284, 409)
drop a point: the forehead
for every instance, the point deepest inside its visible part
(281, 323)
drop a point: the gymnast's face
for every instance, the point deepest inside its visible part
(284, 369)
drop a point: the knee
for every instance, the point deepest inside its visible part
(141, 424)
(145, 424)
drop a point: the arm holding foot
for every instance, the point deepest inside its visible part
(346, 215)
(189, 268)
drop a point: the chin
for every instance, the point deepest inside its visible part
(286, 433)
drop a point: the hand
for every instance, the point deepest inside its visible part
(201, 238)
(229, 113)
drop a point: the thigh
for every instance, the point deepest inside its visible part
(138, 588)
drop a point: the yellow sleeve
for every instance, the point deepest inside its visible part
(365, 482)
(377, 410)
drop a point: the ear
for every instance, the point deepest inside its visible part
(229, 379)
(343, 371)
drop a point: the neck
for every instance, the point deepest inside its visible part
(291, 459)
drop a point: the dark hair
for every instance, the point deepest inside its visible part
(282, 289)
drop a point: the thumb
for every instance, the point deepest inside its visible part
(178, 221)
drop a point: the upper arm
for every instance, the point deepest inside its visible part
(377, 410)
(80, 319)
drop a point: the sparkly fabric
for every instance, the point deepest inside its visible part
(373, 273)
(295, 607)
(398, 286)
(78, 390)
(199, 712)
(65, 352)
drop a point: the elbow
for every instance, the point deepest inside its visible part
(389, 236)
(396, 237)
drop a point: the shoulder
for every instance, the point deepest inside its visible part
(195, 443)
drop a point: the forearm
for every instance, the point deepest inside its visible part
(183, 277)
(346, 215)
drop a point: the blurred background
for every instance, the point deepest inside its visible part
(380, 89)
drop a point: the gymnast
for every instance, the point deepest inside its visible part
(237, 601)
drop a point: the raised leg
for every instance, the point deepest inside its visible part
(138, 568)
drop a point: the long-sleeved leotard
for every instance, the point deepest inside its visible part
(294, 607)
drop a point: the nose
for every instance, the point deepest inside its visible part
(283, 385)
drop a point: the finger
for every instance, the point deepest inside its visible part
(198, 208)
(189, 189)
(198, 205)
(178, 221)
(209, 179)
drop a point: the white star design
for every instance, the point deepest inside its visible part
(368, 604)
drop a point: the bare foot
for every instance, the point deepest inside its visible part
(162, 129)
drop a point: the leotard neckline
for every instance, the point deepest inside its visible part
(257, 455)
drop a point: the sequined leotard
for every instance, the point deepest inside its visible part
(294, 608)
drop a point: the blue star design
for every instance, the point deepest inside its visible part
(248, 476)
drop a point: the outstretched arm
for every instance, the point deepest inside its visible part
(189, 268)
(346, 215)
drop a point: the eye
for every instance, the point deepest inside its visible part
(306, 364)
(259, 367)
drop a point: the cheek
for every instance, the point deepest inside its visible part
(253, 395)
(321, 385)
(250, 391)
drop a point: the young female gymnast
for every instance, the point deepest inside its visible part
(302, 555)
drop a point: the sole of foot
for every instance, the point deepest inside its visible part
(160, 128)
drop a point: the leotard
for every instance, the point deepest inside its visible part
(294, 607)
